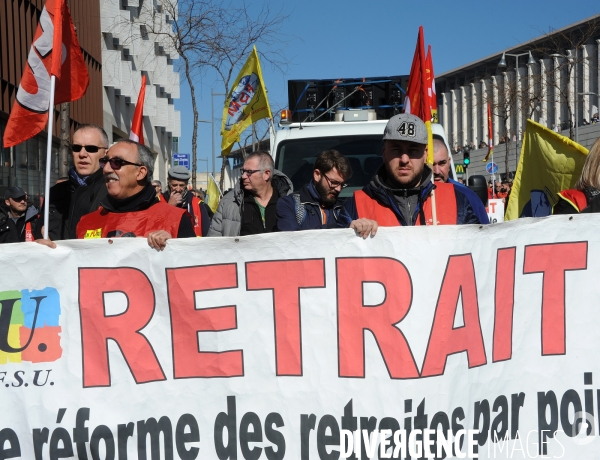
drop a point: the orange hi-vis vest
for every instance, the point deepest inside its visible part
(575, 198)
(445, 198)
(159, 216)
(197, 216)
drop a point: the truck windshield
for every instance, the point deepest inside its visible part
(296, 158)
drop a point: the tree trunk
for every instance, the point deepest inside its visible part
(188, 76)
(65, 139)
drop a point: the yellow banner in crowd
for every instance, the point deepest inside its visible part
(246, 103)
(549, 163)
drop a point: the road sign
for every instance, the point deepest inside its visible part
(491, 168)
(181, 159)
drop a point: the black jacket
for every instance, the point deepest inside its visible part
(302, 211)
(11, 232)
(69, 201)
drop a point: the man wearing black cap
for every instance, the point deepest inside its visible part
(400, 191)
(16, 217)
(179, 195)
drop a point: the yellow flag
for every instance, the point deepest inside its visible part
(246, 103)
(214, 194)
(549, 163)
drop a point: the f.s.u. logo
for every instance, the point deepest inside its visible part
(33, 91)
(29, 326)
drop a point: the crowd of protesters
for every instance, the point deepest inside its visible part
(109, 192)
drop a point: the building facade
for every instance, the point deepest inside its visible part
(553, 80)
(24, 164)
(136, 41)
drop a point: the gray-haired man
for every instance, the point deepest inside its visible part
(249, 208)
(131, 208)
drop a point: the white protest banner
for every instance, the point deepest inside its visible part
(268, 347)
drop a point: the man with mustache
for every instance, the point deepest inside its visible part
(317, 205)
(131, 208)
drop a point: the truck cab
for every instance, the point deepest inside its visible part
(296, 147)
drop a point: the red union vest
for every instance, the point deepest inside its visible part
(445, 198)
(101, 223)
(575, 198)
(197, 216)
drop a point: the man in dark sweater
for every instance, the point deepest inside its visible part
(317, 205)
(82, 193)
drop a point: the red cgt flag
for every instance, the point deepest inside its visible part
(416, 101)
(137, 129)
(432, 97)
(55, 51)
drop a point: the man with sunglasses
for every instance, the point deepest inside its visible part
(17, 217)
(82, 193)
(400, 191)
(249, 208)
(131, 208)
(317, 205)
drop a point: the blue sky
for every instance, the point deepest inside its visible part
(350, 39)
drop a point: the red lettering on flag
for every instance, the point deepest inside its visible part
(553, 261)
(97, 328)
(292, 275)
(354, 317)
(187, 320)
(445, 339)
(504, 304)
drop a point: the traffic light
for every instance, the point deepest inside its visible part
(466, 158)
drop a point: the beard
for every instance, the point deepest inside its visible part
(327, 197)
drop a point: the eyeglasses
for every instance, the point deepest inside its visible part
(335, 183)
(249, 172)
(88, 148)
(21, 198)
(116, 163)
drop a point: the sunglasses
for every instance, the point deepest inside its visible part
(116, 163)
(88, 148)
(21, 198)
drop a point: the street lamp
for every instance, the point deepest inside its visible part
(502, 64)
(212, 133)
(205, 159)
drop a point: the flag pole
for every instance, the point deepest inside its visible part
(430, 160)
(49, 157)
